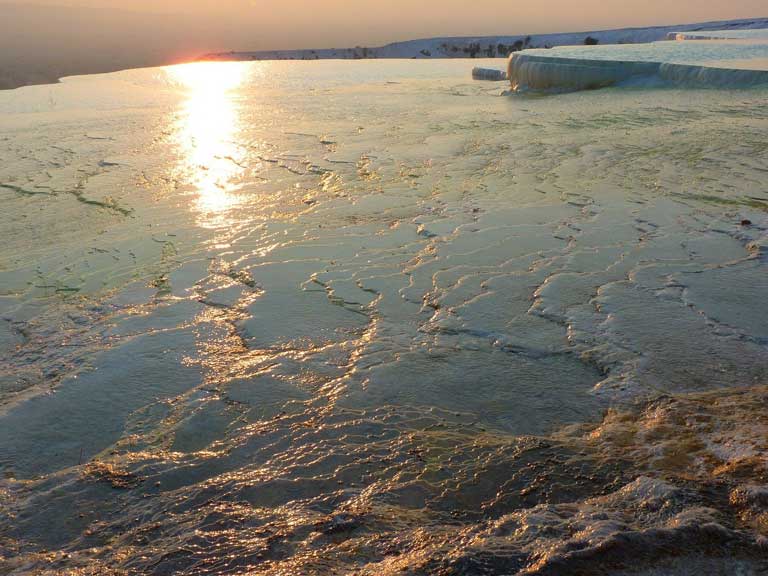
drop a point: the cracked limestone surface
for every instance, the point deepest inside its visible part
(372, 318)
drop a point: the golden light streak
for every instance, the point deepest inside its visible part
(206, 130)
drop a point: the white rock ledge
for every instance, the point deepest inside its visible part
(554, 74)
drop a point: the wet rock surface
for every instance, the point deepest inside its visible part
(503, 336)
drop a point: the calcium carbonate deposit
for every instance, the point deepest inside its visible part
(716, 59)
(374, 318)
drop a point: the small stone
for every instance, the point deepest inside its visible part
(746, 222)
(338, 524)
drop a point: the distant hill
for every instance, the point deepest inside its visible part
(490, 46)
(40, 44)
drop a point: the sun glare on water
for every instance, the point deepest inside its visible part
(206, 130)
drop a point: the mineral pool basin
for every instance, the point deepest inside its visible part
(733, 63)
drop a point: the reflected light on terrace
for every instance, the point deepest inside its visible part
(208, 125)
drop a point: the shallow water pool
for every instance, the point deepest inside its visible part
(368, 317)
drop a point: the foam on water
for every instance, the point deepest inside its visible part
(372, 318)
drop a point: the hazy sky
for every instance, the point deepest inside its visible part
(257, 24)
(41, 40)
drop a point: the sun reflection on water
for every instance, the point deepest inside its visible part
(208, 126)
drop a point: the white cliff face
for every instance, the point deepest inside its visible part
(533, 72)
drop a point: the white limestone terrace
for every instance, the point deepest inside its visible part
(756, 34)
(493, 46)
(717, 63)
